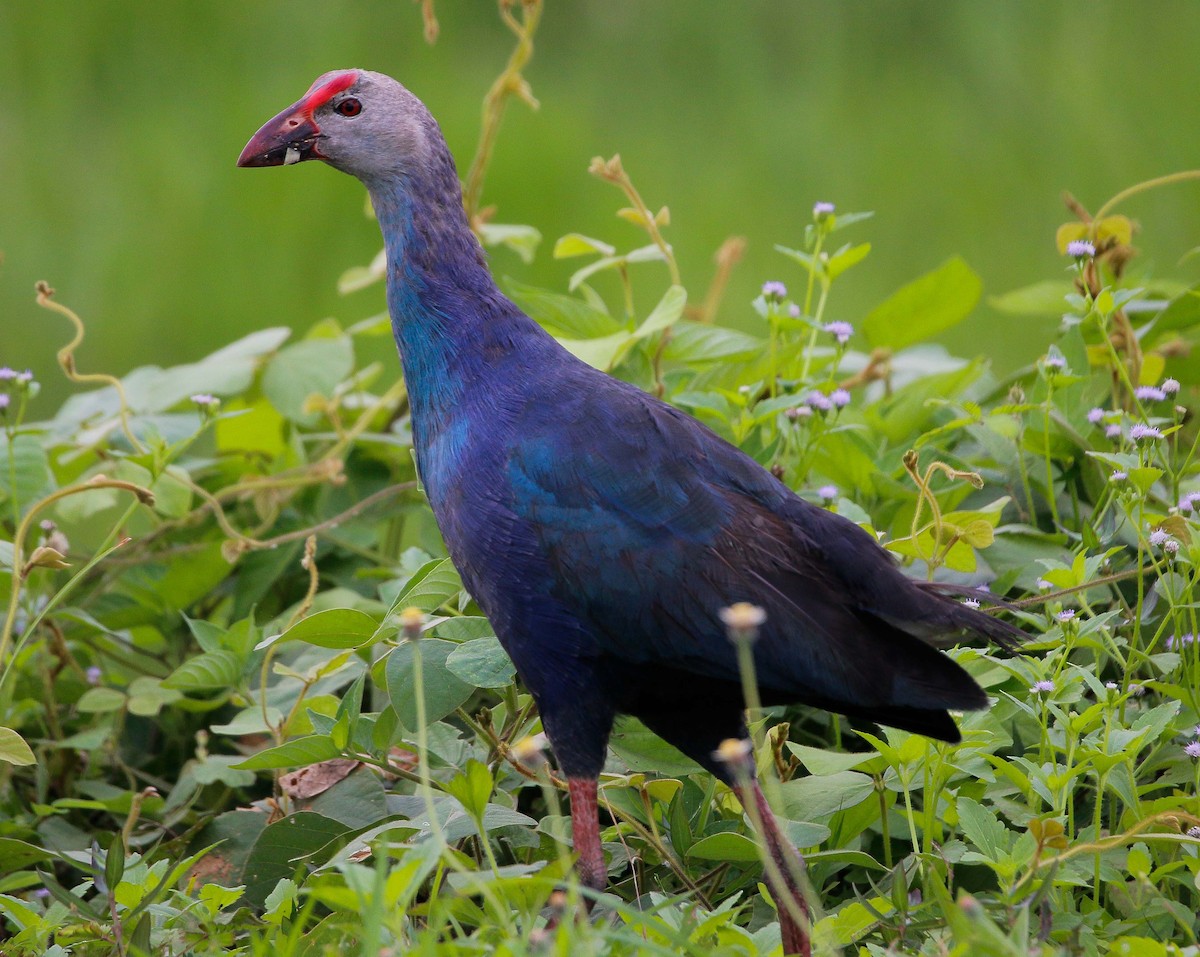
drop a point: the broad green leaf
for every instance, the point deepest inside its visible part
(298, 753)
(337, 628)
(698, 342)
(665, 314)
(925, 307)
(100, 700)
(1046, 298)
(462, 628)
(819, 761)
(725, 846)
(523, 240)
(564, 316)
(472, 788)
(314, 366)
(845, 258)
(444, 691)
(983, 829)
(212, 669)
(13, 749)
(816, 798)
(433, 584)
(482, 662)
(24, 470)
(285, 846)
(576, 244)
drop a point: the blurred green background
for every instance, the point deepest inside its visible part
(959, 122)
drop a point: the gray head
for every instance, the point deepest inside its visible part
(363, 123)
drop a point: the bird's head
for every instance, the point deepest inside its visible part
(363, 123)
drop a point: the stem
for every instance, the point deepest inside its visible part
(1169, 180)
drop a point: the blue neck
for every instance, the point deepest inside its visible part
(447, 314)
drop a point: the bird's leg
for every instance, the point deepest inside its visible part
(784, 878)
(585, 833)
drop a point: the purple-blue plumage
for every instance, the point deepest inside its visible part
(600, 529)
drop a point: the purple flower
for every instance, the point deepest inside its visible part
(971, 602)
(841, 331)
(1118, 476)
(1170, 386)
(24, 378)
(1111, 686)
(1112, 431)
(93, 675)
(1080, 248)
(1067, 614)
(1158, 537)
(820, 210)
(204, 400)
(1179, 642)
(1171, 546)
(798, 412)
(1141, 431)
(4, 400)
(41, 893)
(47, 525)
(1095, 416)
(840, 398)
(1043, 687)
(1043, 585)
(1193, 749)
(794, 311)
(6, 373)
(820, 401)
(774, 291)
(1056, 363)
(827, 492)
(1149, 393)
(1194, 832)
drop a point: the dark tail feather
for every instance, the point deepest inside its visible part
(932, 724)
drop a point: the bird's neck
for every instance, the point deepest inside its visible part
(447, 313)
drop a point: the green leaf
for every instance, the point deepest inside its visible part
(523, 240)
(725, 846)
(287, 846)
(337, 628)
(433, 584)
(212, 669)
(983, 829)
(665, 314)
(24, 470)
(817, 797)
(100, 700)
(304, 368)
(698, 342)
(845, 258)
(444, 691)
(472, 788)
(576, 244)
(563, 316)
(820, 762)
(483, 663)
(925, 307)
(292, 754)
(114, 861)
(14, 750)
(1046, 298)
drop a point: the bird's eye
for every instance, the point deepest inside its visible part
(349, 107)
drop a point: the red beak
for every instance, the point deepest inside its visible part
(284, 139)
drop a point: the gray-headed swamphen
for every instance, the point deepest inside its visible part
(603, 531)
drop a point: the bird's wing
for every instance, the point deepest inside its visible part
(651, 524)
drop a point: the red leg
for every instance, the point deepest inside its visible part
(789, 898)
(585, 832)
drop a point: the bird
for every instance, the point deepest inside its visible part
(603, 531)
